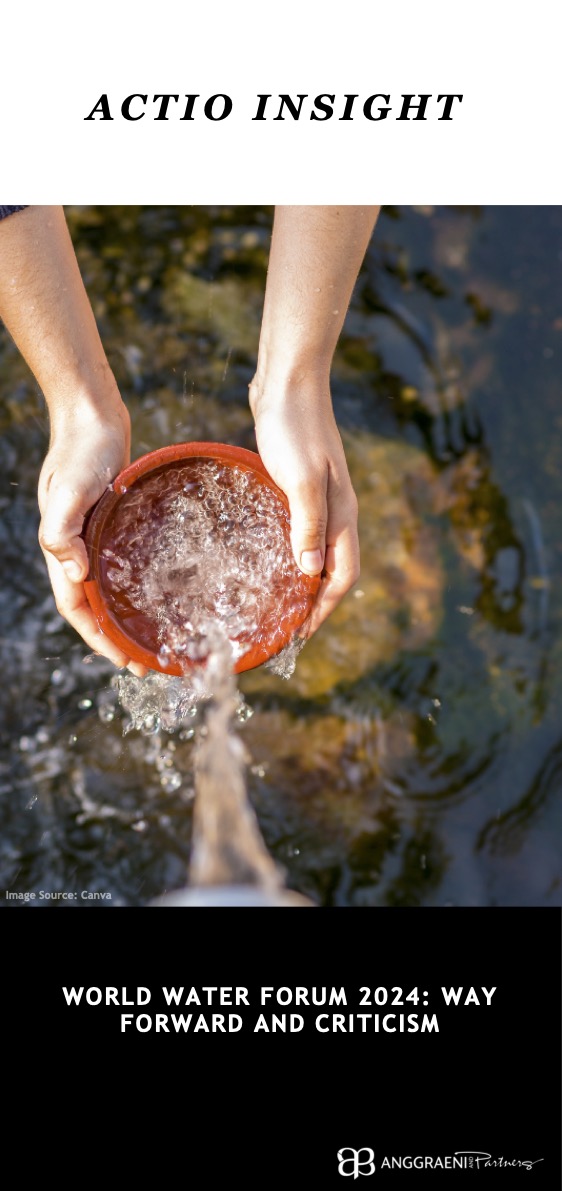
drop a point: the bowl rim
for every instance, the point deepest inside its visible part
(97, 517)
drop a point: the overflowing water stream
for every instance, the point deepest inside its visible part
(415, 756)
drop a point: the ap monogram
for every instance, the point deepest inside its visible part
(352, 1166)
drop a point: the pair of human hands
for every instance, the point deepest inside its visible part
(301, 449)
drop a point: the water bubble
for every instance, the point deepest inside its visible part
(84, 704)
(150, 725)
(244, 713)
(164, 761)
(106, 701)
(171, 780)
(106, 713)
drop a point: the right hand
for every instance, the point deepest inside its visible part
(87, 451)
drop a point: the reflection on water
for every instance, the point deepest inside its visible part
(415, 757)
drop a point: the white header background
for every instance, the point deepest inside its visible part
(502, 145)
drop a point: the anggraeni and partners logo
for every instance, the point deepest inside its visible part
(353, 1163)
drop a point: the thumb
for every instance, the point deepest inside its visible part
(309, 513)
(61, 527)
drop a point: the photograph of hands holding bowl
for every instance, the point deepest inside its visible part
(298, 649)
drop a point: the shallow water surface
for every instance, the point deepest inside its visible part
(415, 757)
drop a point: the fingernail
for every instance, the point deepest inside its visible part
(311, 561)
(134, 668)
(72, 569)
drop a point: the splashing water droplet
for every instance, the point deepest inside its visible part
(171, 780)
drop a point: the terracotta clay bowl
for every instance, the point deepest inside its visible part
(139, 634)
